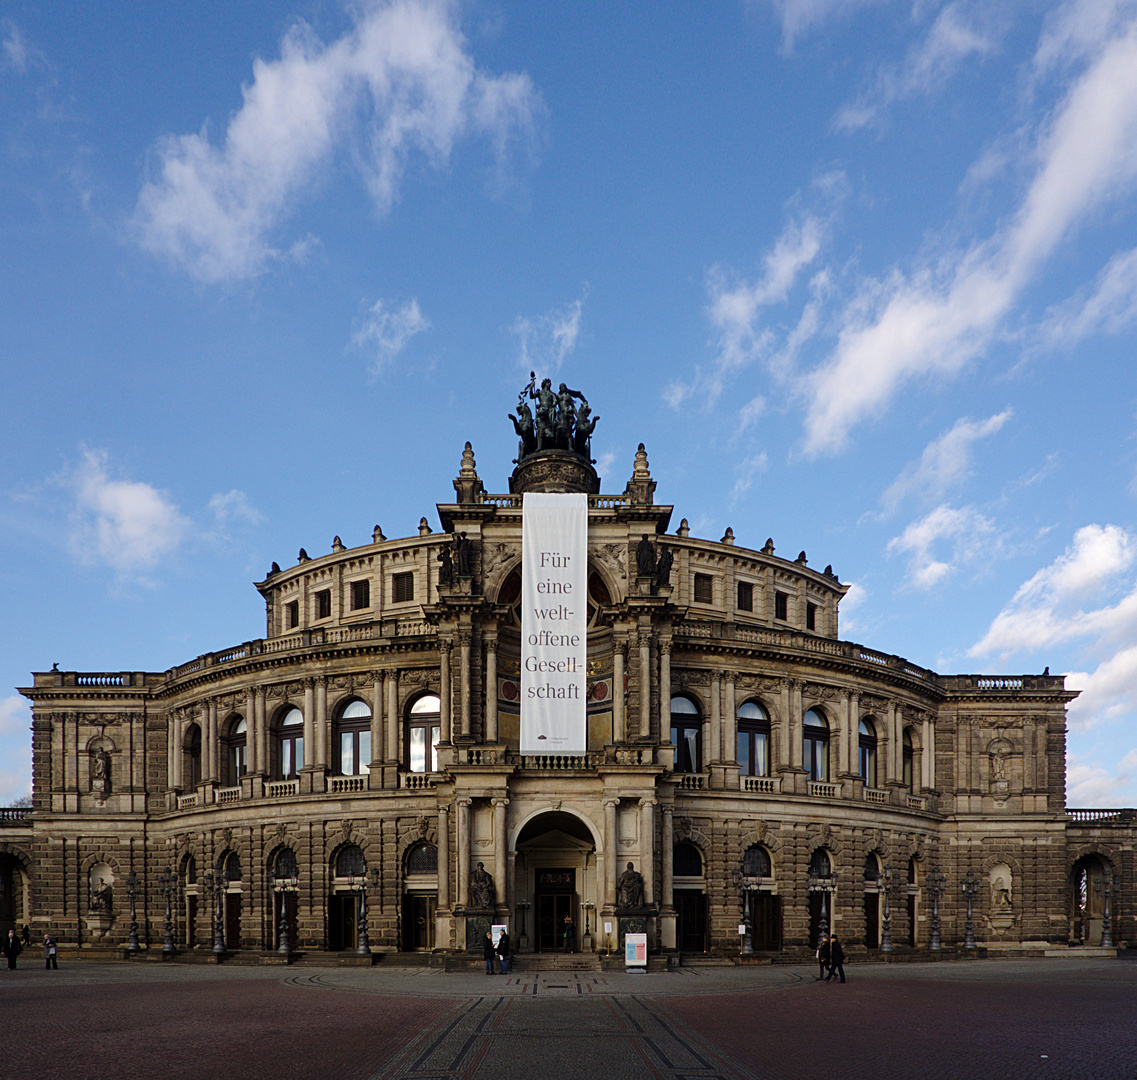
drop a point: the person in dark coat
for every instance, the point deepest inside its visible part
(836, 959)
(12, 948)
(823, 958)
(570, 934)
(503, 951)
(488, 952)
(49, 950)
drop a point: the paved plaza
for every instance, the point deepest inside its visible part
(1003, 1020)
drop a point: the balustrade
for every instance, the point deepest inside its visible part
(342, 785)
(762, 785)
(876, 795)
(187, 802)
(819, 790)
(228, 795)
(280, 789)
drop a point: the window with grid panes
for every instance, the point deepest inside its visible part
(704, 589)
(781, 605)
(745, 596)
(360, 595)
(324, 604)
(403, 587)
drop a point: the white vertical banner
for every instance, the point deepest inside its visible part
(554, 623)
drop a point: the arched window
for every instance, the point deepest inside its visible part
(867, 742)
(191, 871)
(819, 864)
(815, 745)
(354, 729)
(424, 728)
(756, 862)
(422, 859)
(872, 868)
(234, 758)
(686, 861)
(285, 867)
(350, 862)
(686, 728)
(909, 772)
(753, 740)
(191, 757)
(233, 867)
(289, 745)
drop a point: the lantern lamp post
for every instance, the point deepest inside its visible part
(1107, 887)
(166, 885)
(936, 885)
(970, 888)
(884, 884)
(132, 887)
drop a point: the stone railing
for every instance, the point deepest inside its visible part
(876, 795)
(281, 789)
(762, 785)
(692, 781)
(418, 781)
(187, 802)
(14, 815)
(239, 652)
(821, 790)
(343, 785)
(635, 755)
(1119, 816)
(476, 755)
(554, 762)
(916, 802)
(228, 795)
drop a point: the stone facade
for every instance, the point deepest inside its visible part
(275, 777)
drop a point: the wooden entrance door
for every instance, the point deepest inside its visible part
(690, 920)
(343, 922)
(232, 920)
(418, 921)
(766, 920)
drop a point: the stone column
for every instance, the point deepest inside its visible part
(443, 858)
(846, 725)
(322, 722)
(928, 775)
(647, 838)
(252, 749)
(464, 681)
(664, 688)
(893, 769)
(781, 730)
(793, 722)
(309, 721)
(610, 852)
(645, 685)
(619, 734)
(173, 751)
(263, 759)
(214, 742)
(393, 717)
(376, 718)
(463, 851)
(444, 690)
(499, 853)
(714, 751)
(667, 897)
(491, 689)
(730, 723)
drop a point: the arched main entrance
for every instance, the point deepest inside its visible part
(13, 895)
(1087, 903)
(555, 875)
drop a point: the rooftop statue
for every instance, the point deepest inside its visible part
(556, 422)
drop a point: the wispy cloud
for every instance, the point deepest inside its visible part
(945, 461)
(944, 541)
(384, 331)
(1096, 786)
(799, 17)
(746, 472)
(400, 80)
(959, 31)
(232, 506)
(546, 340)
(1108, 306)
(125, 524)
(16, 737)
(16, 52)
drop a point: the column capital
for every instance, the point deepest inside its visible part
(613, 803)
(465, 636)
(502, 802)
(667, 808)
(463, 801)
(444, 646)
(646, 803)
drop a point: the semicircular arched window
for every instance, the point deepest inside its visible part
(288, 745)
(235, 745)
(866, 742)
(422, 859)
(285, 867)
(424, 730)
(756, 862)
(350, 862)
(233, 867)
(686, 860)
(819, 864)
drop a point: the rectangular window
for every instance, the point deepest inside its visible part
(360, 595)
(293, 612)
(811, 616)
(745, 596)
(781, 605)
(704, 589)
(324, 604)
(404, 587)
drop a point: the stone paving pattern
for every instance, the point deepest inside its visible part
(1002, 1020)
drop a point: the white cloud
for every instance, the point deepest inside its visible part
(746, 472)
(546, 340)
(936, 319)
(945, 461)
(400, 80)
(125, 524)
(954, 35)
(16, 738)
(798, 17)
(1110, 306)
(1094, 786)
(967, 533)
(385, 332)
(234, 506)
(17, 53)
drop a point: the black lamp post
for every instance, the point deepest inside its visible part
(132, 885)
(885, 884)
(1109, 886)
(216, 882)
(936, 884)
(283, 886)
(825, 884)
(745, 886)
(363, 947)
(970, 888)
(166, 885)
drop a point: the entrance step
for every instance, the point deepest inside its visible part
(557, 962)
(705, 960)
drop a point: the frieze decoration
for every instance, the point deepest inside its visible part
(276, 691)
(684, 677)
(227, 836)
(870, 703)
(875, 840)
(495, 556)
(416, 677)
(819, 692)
(756, 684)
(340, 682)
(615, 555)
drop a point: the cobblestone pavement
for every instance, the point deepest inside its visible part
(1003, 1020)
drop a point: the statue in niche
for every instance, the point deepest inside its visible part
(102, 897)
(481, 889)
(100, 772)
(645, 558)
(446, 567)
(1000, 895)
(998, 763)
(463, 555)
(663, 567)
(630, 888)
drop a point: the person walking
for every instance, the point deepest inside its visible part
(12, 948)
(570, 934)
(488, 952)
(836, 959)
(49, 950)
(503, 951)
(822, 958)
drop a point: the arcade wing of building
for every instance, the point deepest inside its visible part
(352, 779)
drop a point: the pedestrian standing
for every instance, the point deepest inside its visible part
(822, 958)
(836, 959)
(503, 951)
(12, 948)
(488, 952)
(570, 934)
(49, 961)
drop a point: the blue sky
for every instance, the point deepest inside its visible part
(861, 275)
